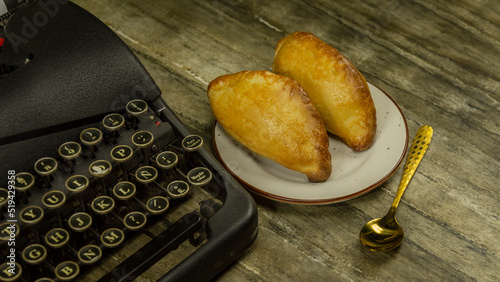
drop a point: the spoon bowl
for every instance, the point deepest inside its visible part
(384, 234)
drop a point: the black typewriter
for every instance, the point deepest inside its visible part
(95, 164)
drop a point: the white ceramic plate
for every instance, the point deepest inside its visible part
(353, 174)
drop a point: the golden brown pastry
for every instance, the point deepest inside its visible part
(272, 115)
(335, 86)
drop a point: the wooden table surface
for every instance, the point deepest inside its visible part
(440, 62)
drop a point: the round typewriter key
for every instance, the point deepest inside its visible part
(146, 174)
(7, 273)
(178, 189)
(34, 253)
(70, 150)
(167, 159)
(121, 153)
(134, 220)
(57, 237)
(24, 181)
(54, 199)
(100, 168)
(46, 166)
(113, 122)
(4, 194)
(103, 204)
(157, 204)
(91, 136)
(89, 254)
(80, 221)
(67, 270)
(137, 107)
(124, 190)
(31, 214)
(142, 138)
(112, 237)
(77, 183)
(192, 143)
(8, 230)
(199, 176)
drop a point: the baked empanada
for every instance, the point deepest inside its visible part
(271, 115)
(337, 89)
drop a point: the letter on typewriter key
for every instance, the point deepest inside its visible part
(142, 139)
(8, 230)
(80, 221)
(34, 253)
(124, 190)
(54, 199)
(77, 183)
(103, 204)
(10, 271)
(31, 214)
(113, 122)
(89, 254)
(121, 153)
(67, 270)
(57, 238)
(91, 136)
(137, 107)
(112, 237)
(146, 174)
(46, 166)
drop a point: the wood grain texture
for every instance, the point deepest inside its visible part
(439, 61)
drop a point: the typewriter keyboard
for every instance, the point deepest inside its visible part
(129, 175)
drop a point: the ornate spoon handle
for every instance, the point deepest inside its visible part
(417, 151)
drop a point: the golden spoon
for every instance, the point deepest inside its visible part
(384, 234)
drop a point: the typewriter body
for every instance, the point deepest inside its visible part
(92, 158)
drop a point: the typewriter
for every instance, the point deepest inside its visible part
(99, 178)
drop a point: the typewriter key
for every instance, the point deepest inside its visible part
(57, 237)
(199, 176)
(142, 139)
(46, 166)
(112, 237)
(70, 150)
(124, 190)
(146, 174)
(121, 153)
(77, 183)
(134, 220)
(113, 122)
(54, 199)
(178, 189)
(80, 221)
(34, 253)
(24, 181)
(103, 204)
(67, 270)
(9, 274)
(137, 107)
(157, 204)
(8, 230)
(167, 159)
(31, 214)
(91, 136)
(100, 168)
(89, 254)
(192, 143)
